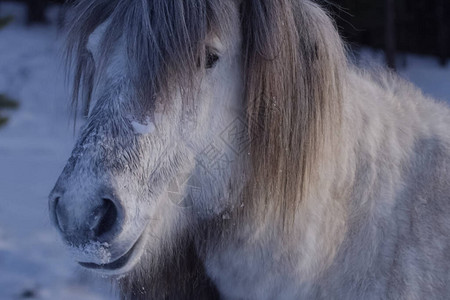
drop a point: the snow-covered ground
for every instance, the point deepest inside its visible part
(34, 147)
(423, 71)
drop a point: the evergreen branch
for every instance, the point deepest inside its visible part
(5, 21)
(6, 102)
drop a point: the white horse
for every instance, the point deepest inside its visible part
(231, 151)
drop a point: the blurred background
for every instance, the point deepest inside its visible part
(396, 26)
(411, 37)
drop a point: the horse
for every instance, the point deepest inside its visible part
(233, 151)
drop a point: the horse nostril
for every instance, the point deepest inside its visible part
(96, 219)
(56, 217)
(106, 219)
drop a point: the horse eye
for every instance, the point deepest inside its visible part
(211, 59)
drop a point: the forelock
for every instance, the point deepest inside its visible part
(164, 41)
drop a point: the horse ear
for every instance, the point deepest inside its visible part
(294, 60)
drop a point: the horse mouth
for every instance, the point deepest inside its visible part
(119, 263)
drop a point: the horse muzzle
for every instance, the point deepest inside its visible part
(92, 225)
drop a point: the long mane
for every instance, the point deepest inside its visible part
(295, 66)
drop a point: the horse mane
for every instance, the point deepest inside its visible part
(295, 64)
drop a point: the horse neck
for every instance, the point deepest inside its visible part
(352, 171)
(379, 130)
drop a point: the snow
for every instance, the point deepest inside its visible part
(423, 71)
(37, 141)
(143, 129)
(34, 146)
(94, 249)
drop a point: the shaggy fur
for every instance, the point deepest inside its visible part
(343, 192)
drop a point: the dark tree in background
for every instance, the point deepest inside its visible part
(442, 31)
(5, 102)
(36, 11)
(389, 33)
(414, 26)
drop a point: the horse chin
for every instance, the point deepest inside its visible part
(123, 264)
